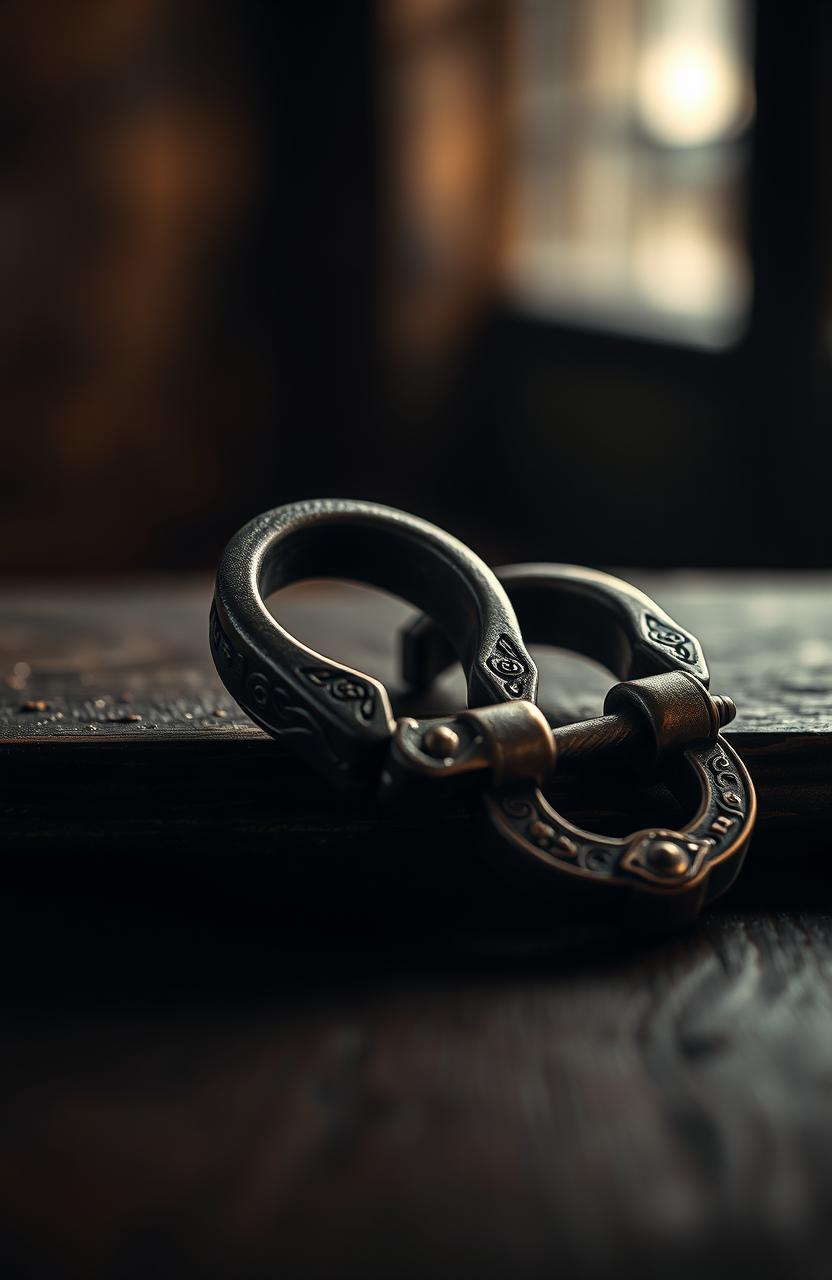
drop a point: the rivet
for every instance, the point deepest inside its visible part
(668, 858)
(441, 742)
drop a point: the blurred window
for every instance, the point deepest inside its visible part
(634, 123)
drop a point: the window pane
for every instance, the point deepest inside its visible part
(633, 136)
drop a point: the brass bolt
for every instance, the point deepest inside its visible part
(441, 742)
(725, 707)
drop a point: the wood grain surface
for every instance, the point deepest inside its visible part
(110, 695)
(251, 1029)
(189, 1096)
(99, 656)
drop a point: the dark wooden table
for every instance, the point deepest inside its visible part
(252, 1029)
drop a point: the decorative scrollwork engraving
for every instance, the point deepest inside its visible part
(672, 638)
(538, 829)
(513, 807)
(505, 663)
(600, 858)
(344, 687)
(219, 640)
(287, 718)
(257, 690)
(267, 702)
(727, 780)
(230, 663)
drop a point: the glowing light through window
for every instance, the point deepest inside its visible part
(633, 120)
(691, 92)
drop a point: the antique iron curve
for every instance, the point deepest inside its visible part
(336, 718)
(500, 747)
(660, 713)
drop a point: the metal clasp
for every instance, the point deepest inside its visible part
(667, 721)
(513, 743)
(501, 748)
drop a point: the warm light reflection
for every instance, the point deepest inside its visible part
(690, 92)
(630, 191)
(681, 268)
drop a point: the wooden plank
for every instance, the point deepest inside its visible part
(232, 1101)
(121, 747)
(100, 657)
(250, 1027)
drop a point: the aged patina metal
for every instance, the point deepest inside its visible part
(660, 717)
(500, 748)
(337, 719)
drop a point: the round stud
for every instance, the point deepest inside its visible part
(667, 858)
(441, 742)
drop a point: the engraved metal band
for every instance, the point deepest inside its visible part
(656, 873)
(336, 718)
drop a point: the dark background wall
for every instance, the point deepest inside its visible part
(253, 253)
